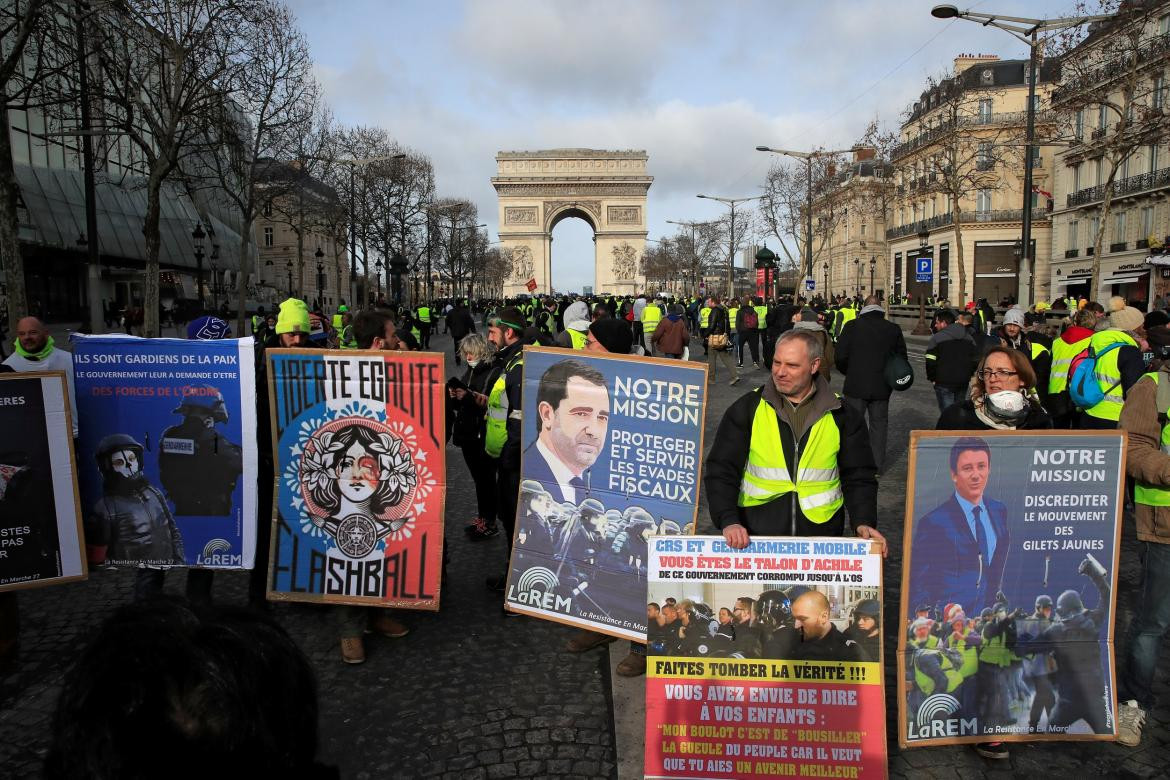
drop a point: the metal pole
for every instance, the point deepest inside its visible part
(1029, 140)
(731, 257)
(808, 257)
(352, 239)
(93, 275)
(199, 275)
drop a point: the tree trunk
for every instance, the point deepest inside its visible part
(150, 230)
(300, 251)
(957, 216)
(1099, 239)
(242, 280)
(10, 230)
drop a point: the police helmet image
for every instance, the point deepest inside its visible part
(870, 608)
(1043, 601)
(922, 608)
(796, 591)
(1069, 604)
(636, 515)
(613, 516)
(703, 611)
(591, 508)
(772, 608)
(116, 442)
(985, 614)
(205, 399)
(669, 528)
(532, 487)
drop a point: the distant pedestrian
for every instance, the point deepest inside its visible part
(951, 359)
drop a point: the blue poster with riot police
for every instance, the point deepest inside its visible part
(1009, 586)
(167, 452)
(613, 448)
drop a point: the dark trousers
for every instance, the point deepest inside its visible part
(483, 472)
(638, 336)
(9, 616)
(877, 417)
(948, 396)
(1147, 629)
(752, 339)
(507, 495)
(424, 335)
(258, 577)
(769, 344)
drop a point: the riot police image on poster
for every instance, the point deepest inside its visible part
(198, 466)
(834, 622)
(359, 443)
(1008, 605)
(167, 452)
(40, 528)
(611, 456)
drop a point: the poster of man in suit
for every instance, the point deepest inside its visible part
(998, 525)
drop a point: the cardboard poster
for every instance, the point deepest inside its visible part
(765, 661)
(613, 448)
(359, 444)
(40, 510)
(1009, 586)
(167, 455)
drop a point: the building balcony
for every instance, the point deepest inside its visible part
(1142, 243)
(1007, 215)
(969, 217)
(998, 119)
(1089, 251)
(1098, 133)
(1073, 90)
(1118, 246)
(1129, 186)
(1070, 253)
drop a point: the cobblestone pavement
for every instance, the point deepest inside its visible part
(472, 694)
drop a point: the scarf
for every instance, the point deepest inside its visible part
(44, 353)
(995, 422)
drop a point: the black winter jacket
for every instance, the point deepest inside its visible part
(961, 417)
(863, 347)
(782, 517)
(951, 357)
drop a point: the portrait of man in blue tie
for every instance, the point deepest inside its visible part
(572, 403)
(961, 546)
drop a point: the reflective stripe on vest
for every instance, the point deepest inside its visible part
(1062, 357)
(1108, 374)
(766, 476)
(496, 430)
(651, 315)
(1149, 495)
(704, 313)
(577, 338)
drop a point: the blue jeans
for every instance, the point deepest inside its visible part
(1151, 619)
(948, 396)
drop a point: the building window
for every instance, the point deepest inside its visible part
(984, 111)
(1123, 169)
(863, 227)
(1153, 158)
(268, 237)
(1156, 98)
(1076, 177)
(268, 209)
(984, 155)
(1073, 228)
(983, 201)
(1147, 222)
(1119, 226)
(1094, 229)
(1100, 170)
(1079, 128)
(1102, 116)
(1164, 25)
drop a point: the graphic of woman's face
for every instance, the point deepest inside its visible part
(357, 473)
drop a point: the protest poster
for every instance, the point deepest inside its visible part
(1008, 586)
(40, 510)
(764, 661)
(359, 443)
(167, 454)
(613, 448)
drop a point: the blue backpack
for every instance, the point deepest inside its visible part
(1083, 387)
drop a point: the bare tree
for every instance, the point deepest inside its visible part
(665, 261)
(401, 197)
(783, 209)
(163, 67)
(1117, 73)
(272, 101)
(453, 233)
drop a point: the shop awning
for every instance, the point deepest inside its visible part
(1124, 278)
(1071, 280)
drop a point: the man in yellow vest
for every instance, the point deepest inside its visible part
(503, 421)
(1147, 461)
(1071, 343)
(704, 316)
(651, 316)
(1118, 370)
(423, 318)
(790, 457)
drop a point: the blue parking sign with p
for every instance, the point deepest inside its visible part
(925, 269)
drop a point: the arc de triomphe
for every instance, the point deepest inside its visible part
(538, 189)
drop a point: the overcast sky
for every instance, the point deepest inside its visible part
(698, 85)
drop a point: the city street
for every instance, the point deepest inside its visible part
(470, 693)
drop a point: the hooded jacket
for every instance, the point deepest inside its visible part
(1145, 461)
(951, 357)
(728, 458)
(671, 336)
(576, 318)
(863, 348)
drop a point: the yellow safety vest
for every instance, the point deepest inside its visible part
(337, 322)
(345, 338)
(424, 315)
(995, 652)
(766, 476)
(762, 316)
(1108, 374)
(651, 315)
(1143, 493)
(704, 313)
(577, 338)
(496, 430)
(1062, 357)
(731, 315)
(926, 683)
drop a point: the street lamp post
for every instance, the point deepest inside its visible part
(1025, 30)
(320, 276)
(197, 236)
(872, 269)
(825, 265)
(857, 269)
(808, 158)
(214, 282)
(398, 267)
(731, 203)
(288, 265)
(922, 329)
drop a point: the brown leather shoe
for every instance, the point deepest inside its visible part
(387, 626)
(587, 640)
(353, 651)
(633, 665)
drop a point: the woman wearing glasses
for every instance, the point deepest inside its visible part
(1003, 397)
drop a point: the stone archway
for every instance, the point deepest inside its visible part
(606, 189)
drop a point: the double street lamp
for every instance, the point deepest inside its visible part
(808, 160)
(1025, 30)
(731, 203)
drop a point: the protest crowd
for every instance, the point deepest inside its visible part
(790, 458)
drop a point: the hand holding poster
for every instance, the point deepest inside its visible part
(1008, 596)
(168, 450)
(359, 444)
(612, 454)
(40, 513)
(765, 661)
